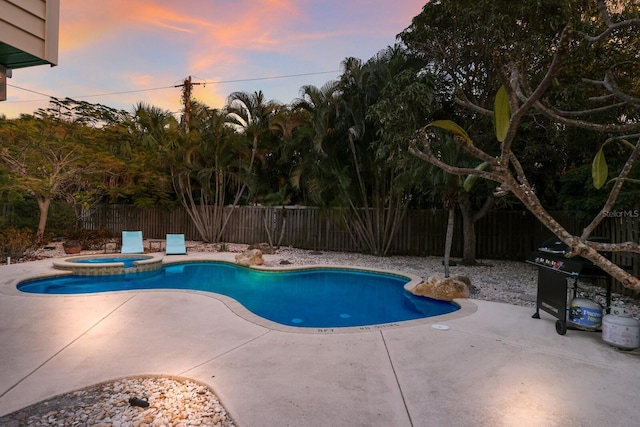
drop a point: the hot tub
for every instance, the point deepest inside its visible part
(101, 265)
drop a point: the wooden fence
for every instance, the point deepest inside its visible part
(500, 235)
(508, 235)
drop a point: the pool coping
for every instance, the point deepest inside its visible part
(466, 306)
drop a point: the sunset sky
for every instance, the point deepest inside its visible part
(121, 52)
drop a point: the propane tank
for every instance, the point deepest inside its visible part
(585, 314)
(621, 330)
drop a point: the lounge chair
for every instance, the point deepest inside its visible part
(132, 242)
(175, 245)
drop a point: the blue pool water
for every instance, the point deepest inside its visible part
(319, 297)
(128, 261)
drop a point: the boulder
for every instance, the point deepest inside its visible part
(444, 289)
(72, 247)
(250, 257)
(265, 248)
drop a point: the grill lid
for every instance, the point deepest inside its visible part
(556, 246)
(551, 255)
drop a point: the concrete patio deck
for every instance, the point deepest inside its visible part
(493, 367)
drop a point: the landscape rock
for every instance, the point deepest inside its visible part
(444, 289)
(72, 247)
(250, 257)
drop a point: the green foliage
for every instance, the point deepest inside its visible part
(464, 38)
(25, 214)
(600, 168)
(578, 194)
(49, 156)
(14, 242)
(471, 179)
(481, 44)
(452, 127)
(501, 114)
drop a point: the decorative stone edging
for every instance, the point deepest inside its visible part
(151, 263)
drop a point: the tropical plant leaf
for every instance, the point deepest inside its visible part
(599, 169)
(501, 114)
(471, 179)
(628, 144)
(452, 127)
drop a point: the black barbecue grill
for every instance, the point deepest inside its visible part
(554, 270)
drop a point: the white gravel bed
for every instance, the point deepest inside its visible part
(164, 402)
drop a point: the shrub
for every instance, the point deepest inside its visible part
(25, 214)
(91, 239)
(14, 242)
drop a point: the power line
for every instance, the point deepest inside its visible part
(122, 93)
(89, 96)
(172, 86)
(271, 77)
(27, 90)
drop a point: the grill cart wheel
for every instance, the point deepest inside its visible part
(561, 327)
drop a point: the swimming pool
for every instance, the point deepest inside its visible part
(311, 297)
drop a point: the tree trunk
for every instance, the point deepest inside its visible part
(205, 214)
(266, 226)
(284, 225)
(469, 240)
(43, 204)
(448, 240)
(469, 220)
(239, 192)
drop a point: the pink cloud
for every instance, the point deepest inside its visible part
(123, 45)
(222, 30)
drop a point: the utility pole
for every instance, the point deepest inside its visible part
(187, 86)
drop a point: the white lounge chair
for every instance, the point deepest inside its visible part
(132, 242)
(175, 245)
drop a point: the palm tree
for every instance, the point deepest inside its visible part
(319, 108)
(289, 126)
(147, 149)
(370, 186)
(155, 127)
(249, 115)
(322, 104)
(205, 167)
